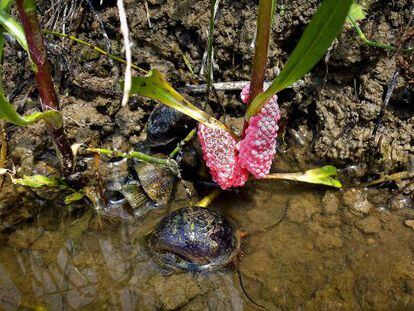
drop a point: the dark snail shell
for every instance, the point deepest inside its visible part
(166, 126)
(153, 186)
(157, 181)
(194, 239)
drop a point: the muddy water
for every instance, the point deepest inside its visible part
(306, 247)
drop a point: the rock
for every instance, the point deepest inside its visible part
(175, 290)
(401, 203)
(357, 201)
(410, 223)
(83, 122)
(328, 239)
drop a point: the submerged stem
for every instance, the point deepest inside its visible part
(205, 202)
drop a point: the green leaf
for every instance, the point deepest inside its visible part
(154, 86)
(5, 5)
(40, 181)
(325, 175)
(357, 12)
(74, 197)
(318, 36)
(8, 113)
(14, 28)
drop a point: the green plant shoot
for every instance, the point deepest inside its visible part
(325, 175)
(315, 41)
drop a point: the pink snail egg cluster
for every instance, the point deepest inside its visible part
(229, 162)
(257, 149)
(220, 154)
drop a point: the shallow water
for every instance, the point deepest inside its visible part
(306, 247)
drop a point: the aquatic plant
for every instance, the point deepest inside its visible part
(228, 156)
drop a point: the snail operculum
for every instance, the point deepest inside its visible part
(195, 239)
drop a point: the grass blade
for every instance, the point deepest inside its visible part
(154, 86)
(315, 41)
(5, 5)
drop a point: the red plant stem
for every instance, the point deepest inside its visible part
(264, 23)
(48, 96)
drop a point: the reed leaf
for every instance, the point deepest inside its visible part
(155, 86)
(318, 36)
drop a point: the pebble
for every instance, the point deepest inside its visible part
(357, 201)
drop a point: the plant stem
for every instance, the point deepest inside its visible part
(264, 24)
(205, 202)
(182, 143)
(93, 47)
(48, 96)
(133, 154)
(364, 39)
